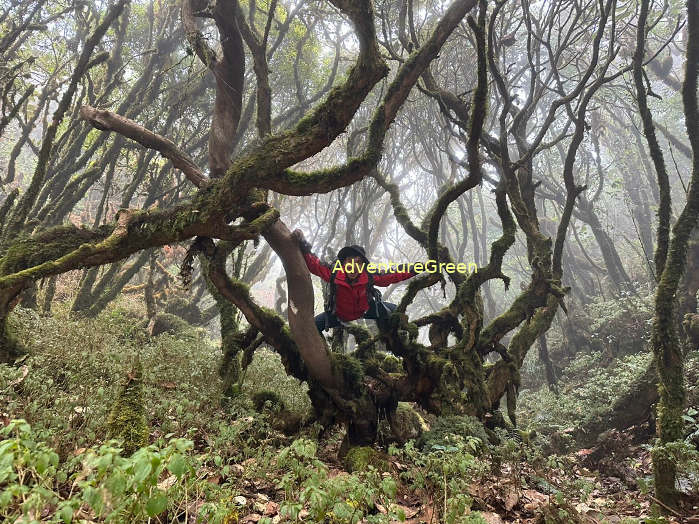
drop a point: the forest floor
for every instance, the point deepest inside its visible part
(213, 459)
(517, 493)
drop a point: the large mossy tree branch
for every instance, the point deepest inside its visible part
(322, 125)
(477, 119)
(503, 376)
(466, 293)
(271, 325)
(194, 36)
(292, 182)
(399, 210)
(65, 248)
(535, 296)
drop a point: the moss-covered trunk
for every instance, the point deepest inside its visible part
(127, 417)
(10, 347)
(665, 341)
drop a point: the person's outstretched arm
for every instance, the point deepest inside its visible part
(386, 279)
(313, 263)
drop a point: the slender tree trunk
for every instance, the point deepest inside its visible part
(666, 345)
(548, 365)
(48, 296)
(10, 347)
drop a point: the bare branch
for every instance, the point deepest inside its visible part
(109, 121)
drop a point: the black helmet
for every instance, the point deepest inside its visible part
(352, 251)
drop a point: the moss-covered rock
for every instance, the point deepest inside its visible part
(166, 323)
(280, 418)
(127, 418)
(267, 399)
(361, 457)
(407, 423)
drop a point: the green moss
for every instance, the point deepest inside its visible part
(372, 367)
(261, 398)
(361, 457)
(127, 418)
(392, 364)
(48, 245)
(407, 423)
(349, 370)
(10, 346)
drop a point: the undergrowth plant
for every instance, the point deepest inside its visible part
(155, 483)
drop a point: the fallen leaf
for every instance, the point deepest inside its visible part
(492, 518)
(535, 496)
(511, 500)
(537, 500)
(272, 508)
(409, 512)
(167, 483)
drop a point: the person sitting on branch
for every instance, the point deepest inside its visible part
(352, 293)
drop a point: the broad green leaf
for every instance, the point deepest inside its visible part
(177, 465)
(156, 504)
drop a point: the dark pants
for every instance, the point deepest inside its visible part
(333, 321)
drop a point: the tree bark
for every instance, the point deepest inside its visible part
(665, 342)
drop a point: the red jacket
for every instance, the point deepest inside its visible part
(351, 298)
